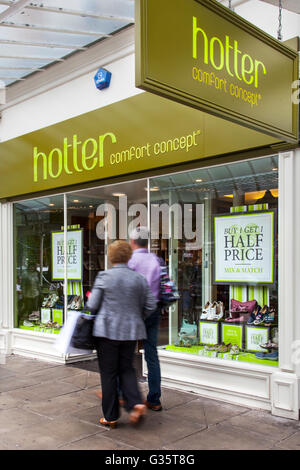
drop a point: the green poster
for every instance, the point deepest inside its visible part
(232, 334)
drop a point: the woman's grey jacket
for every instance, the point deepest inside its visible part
(122, 299)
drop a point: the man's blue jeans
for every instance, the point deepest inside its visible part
(151, 358)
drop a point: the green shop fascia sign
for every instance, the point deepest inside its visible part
(204, 55)
(140, 133)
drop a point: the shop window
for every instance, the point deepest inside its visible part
(216, 230)
(38, 294)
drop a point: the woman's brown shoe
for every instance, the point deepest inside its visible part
(137, 413)
(110, 424)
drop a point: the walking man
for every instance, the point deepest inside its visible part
(148, 265)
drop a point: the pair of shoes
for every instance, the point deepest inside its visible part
(224, 348)
(269, 345)
(110, 424)
(254, 315)
(234, 349)
(270, 317)
(269, 356)
(213, 311)
(121, 402)
(211, 347)
(34, 316)
(137, 412)
(153, 407)
(260, 317)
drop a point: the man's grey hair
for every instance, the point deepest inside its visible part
(140, 235)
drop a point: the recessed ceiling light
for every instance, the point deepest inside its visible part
(274, 169)
(51, 204)
(199, 180)
(91, 207)
(119, 194)
(75, 200)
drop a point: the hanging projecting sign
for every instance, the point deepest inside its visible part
(74, 255)
(202, 54)
(244, 248)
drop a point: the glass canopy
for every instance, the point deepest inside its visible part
(34, 35)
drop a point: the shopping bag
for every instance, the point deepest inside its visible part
(82, 337)
(63, 343)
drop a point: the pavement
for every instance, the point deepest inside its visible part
(46, 406)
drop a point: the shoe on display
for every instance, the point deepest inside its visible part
(224, 348)
(205, 311)
(269, 345)
(254, 314)
(34, 316)
(211, 347)
(270, 317)
(260, 318)
(234, 349)
(45, 301)
(220, 310)
(27, 323)
(268, 356)
(212, 313)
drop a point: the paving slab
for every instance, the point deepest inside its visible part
(155, 431)
(15, 419)
(55, 373)
(266, 424)
(14, 383)
(5, 372)
(222, 437)
(171, 398)
(98, 442)
(204, 411)
(50, 435)
(45, 391)
(7, 401)
(24, 366)
(291, 443)
(84, 379)
(62, 405)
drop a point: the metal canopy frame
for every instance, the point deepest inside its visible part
(29, 31)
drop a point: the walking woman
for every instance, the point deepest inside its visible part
(122, 300)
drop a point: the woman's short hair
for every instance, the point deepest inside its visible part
(119, 252)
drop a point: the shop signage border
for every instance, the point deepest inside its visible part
(150, 78)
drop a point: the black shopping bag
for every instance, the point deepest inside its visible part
(83, 333)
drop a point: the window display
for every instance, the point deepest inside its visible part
(227, 272)
(214, 231)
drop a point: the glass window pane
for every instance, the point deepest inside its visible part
(37, 294)
(216, 317)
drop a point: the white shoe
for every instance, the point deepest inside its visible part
(220, 310)
(205, 311)
(212, 312)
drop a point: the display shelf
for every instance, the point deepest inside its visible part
(244, 356)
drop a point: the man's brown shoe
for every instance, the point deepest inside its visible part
(153, 407)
